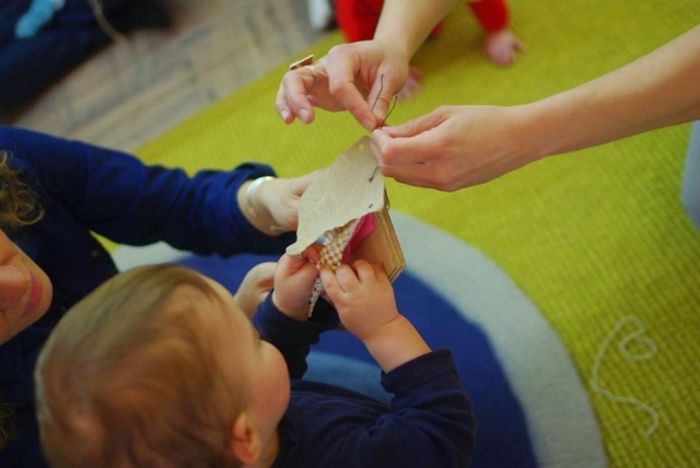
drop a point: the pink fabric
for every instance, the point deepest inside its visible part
(364, 228)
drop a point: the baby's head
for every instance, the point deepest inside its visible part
(158, 367)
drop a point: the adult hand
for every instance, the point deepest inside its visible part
(280, 198)
(454, 146)
(362, 77)
(363, 297)
(256, 285)
(294, 281)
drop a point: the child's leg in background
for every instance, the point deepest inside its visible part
(358, 19)
(501, 44)
(492, 15)
(691, 177)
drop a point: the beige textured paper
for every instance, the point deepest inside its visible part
(348, 189)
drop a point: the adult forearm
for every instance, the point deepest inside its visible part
(406, 23)
(654, 91)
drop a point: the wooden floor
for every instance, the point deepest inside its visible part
(134, 90)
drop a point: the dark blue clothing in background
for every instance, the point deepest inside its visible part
(84, 188)
(27, 66)
(428, 423)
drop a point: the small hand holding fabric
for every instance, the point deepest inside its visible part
(39, 13)
(454, 146)
(365, 302)
(502, 46)
(256, 285)
(361, 77)
(294, 280)
(363, 297)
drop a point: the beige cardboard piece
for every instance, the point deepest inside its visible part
(350, 188)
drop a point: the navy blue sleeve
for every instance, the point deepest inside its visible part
(293, 337)
(429, 423)
(117, 196)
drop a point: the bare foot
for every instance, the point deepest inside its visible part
(502, 46)
(412, 85)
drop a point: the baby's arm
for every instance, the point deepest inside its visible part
(429, 421)
(282, 318)
(365, 302)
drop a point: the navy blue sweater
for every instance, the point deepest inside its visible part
(428, 423)
(84, 188)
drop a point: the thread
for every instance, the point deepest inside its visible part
(381, 88)
(102, 22)
(637, 336)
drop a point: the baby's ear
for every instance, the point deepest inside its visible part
(245, 440)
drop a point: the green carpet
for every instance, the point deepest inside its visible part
(591, 237)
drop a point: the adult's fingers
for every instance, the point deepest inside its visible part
(429, 176)
(411, 150)
(283, 109)
(382, 93)
(341, 69)
(292, 97)
(418, 125)
(300, 184)
(413, 174)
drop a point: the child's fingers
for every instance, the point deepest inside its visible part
(311, 253)
(262, 271)
(288, 264)
(347, 278)
(364, 270)
(330, 284)
(307, 274)
(380, 274)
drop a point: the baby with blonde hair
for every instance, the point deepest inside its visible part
(159, 366)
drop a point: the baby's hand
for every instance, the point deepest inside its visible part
(255, 286)
(294, 281)
(363, 297)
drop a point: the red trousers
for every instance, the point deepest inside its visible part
(358, 18)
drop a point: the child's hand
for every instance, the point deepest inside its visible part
(255, 286)
(363, 297)
(294, 281)
(502, 46)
